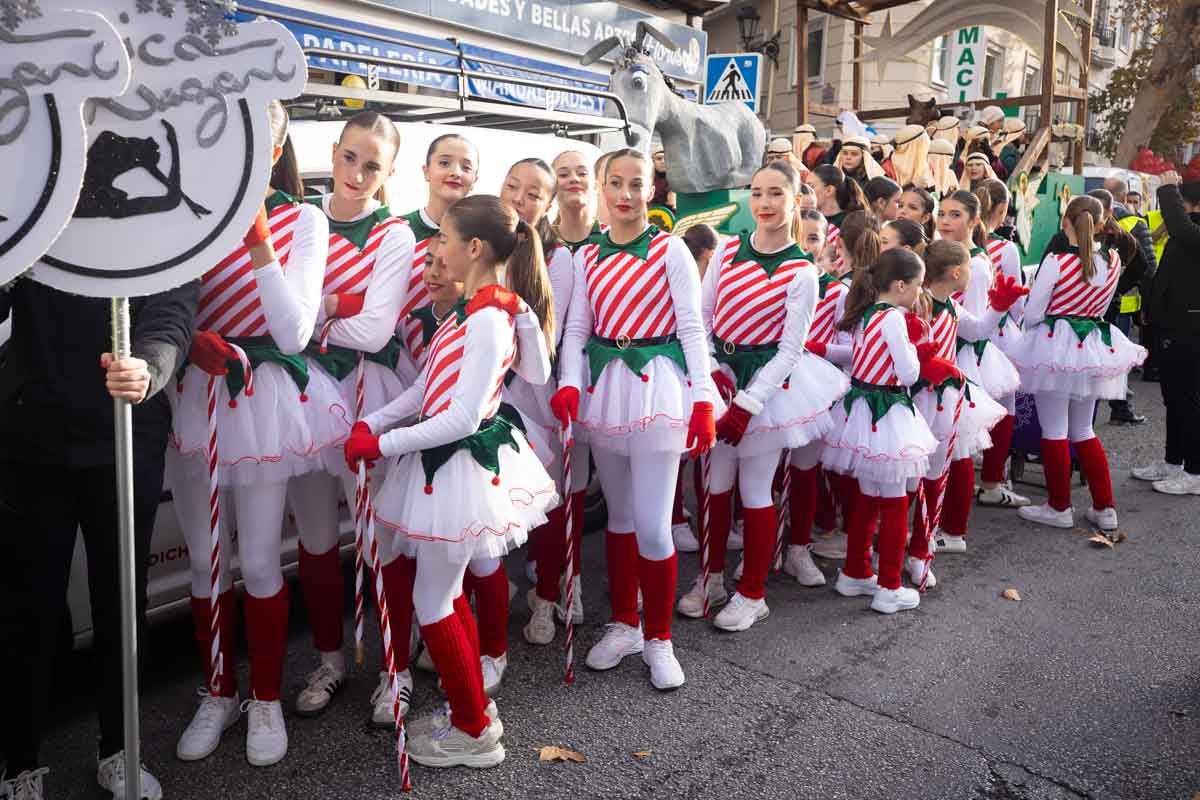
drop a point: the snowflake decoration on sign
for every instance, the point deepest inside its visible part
(14, 12)
(211, 19)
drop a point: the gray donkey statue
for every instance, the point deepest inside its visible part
(707, 147)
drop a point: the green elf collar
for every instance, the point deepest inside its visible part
(639, 247)
(279, 198)
(416, 222)
(872, 310)
(939, 306)
(768, 261)
(593, 236)
(976, 251)
(359, 230)
(836, 219)
(824, 282)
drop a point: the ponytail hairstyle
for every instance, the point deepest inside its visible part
(792, 177)
(941, 257)
(894, 265)
(930, 206)
(285, 175)
(510, 239)
(545, 230)
(860, 237)
(1085, 214)
(698, 238)
(381, 126)
(444, 137)
(628, 152)
(848, 193)
(970, 202)
(910, 233)
(880, 188)
(992, 194)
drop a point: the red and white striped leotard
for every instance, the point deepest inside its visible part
(829, 308)
(1073, 296)
(444, 366)
(628, 296)
(872, 362)
(424, 232)
(750, 307)
(943, 330)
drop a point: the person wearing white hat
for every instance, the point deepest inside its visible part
(911, 158)
(1010, 141)
(992, 118)
(941, 163)
(978, 167)
(948, 128)
(974, 140)
(881, 151)
(804, 145)
(855, 159)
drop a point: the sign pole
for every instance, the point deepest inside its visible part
(127, 555)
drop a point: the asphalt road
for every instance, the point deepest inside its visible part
(1087, 687)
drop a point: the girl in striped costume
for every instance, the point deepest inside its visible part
(757, 301)
(918, 205)
(463, 482)
(947, 271)
(903, 233)
(1006, 260)
(370, 253)
(261, 300)
(878, 438)
(636, 308)
(837, 196)
(1069, 357)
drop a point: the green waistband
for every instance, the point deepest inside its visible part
(636, 358)
(879, 399)
(744, 363)
(484, 444)
(940, 389)
(341, 361)
(1083, 326)
(978, 347)
(260, 350)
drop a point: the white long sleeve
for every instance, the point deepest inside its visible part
(370, 329)
(562, 286)
(708, 285)
(1010, 264)
(904, 354)
(801, 303)
(841, 350)
(292, 299)
(976, 327)
(975, 298)
(683, 280)
(1041, 291)
(400, 410)
(533, 357)
(481, 369)
(578, 327)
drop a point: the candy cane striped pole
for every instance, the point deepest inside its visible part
(935, 513)
(705, 521)
(361, 514)
(784, 510)
(214, 542)
(363, 490)
(570, 533)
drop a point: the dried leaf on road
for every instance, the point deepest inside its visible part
(1011, 594)
(642, 754)
(554, 753)
(1105, 539)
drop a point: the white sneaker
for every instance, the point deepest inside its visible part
(110, 774)
(320, 687)
(266, 735)
(1105, 519)
(448, 746)
(741, 613)
(685, 540)
(576, 601)
(949, 543)
(799, 564)
(692, 602)
(665, 672)
(1000, 496)
(889, 601)
(531, 571)
(424, 661)
(737, 536)
(831, 545)
(202, 735)
(1045, 515)
(26, 786)
(855, 587)
(1183, 483)
(915, 567)
(426, 724)
(1158, 471)
(381, 699)
(619, 640)
(493, 672)
(540, 629)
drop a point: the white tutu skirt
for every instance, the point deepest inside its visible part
(541, 428)
(466, 515)
(994, 371)
(266, 437)
(898, 448)
(333, 402)
(1055, 361)
(799, 412)
(979, 415)
(1007, 337)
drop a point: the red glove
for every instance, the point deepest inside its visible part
(926, 351)
(210, 352)
(815, 347)
(936, 371)
(702, 432)
(1005, 293)
(724, 385)
(260, 231)
(361, 446)
(731, 427)
(565, 405)
(348, 304)
(496, 296)
(918, 329)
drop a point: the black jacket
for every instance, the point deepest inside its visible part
(54, 408)
(1175, 294)
(1141, 234)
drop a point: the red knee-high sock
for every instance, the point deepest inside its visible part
(826, 517)
(321, 585)
(466, 618)
(1056, 462)
(551, 558)
(1094, 464)
(577, 509)
(960, 490)
(802, 505)
(677, 508)
(893, 527)
(266, 638)
(201, 610)
(658, 579)
(760, 527)
(398, 578)
(491, 611)
(996, 456)
(720, 512)
(918, 544)
(468, 585)
(622, 554)
(861, 509)
(845, 490)
(450, 646)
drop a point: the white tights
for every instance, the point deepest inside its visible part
(808, 456)
(438, 583)
(640, 491)
(313, 499)
(755, 475)
(1064, 418)
(879, 489)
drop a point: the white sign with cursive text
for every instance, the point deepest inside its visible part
(51, 60)
(178, 164)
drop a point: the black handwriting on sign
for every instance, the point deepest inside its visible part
(111, 156)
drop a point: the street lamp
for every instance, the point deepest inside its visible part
(747, 20)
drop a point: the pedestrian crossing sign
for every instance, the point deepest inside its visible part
(733, 76)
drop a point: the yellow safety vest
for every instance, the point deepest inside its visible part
(1154, 221)
(1131, 301)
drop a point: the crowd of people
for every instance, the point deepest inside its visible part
(847, 360)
